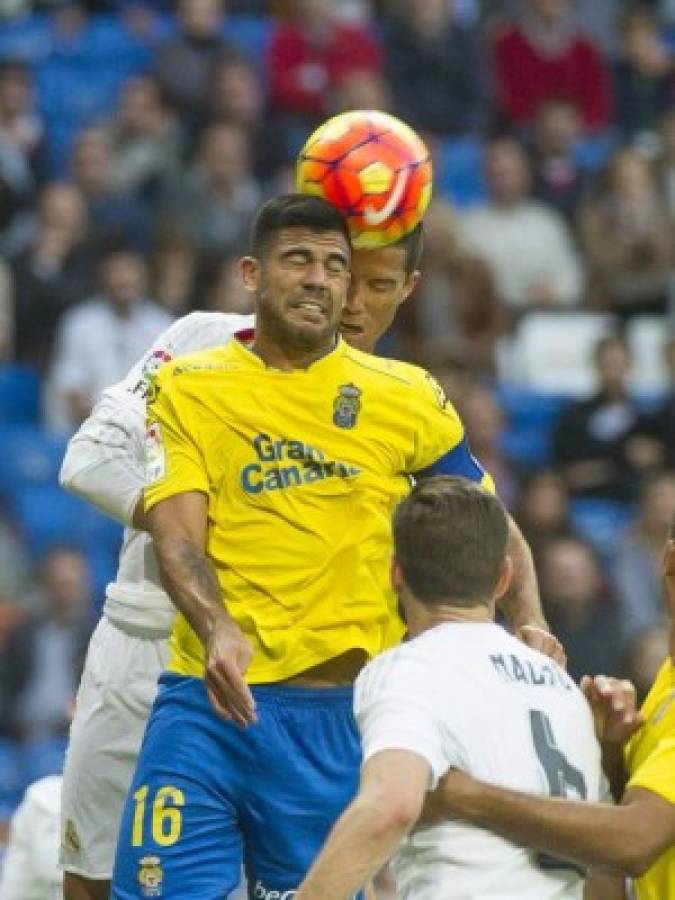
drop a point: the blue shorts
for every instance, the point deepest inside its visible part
(208, 795)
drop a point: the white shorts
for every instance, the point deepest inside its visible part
(118, 687)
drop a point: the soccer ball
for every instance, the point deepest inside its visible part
(374, 169)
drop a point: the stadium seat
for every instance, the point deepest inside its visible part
(553, 352)
(601, 523)
(647, 336)
(19, 394)
(458, 171)
(30, 457)
(530, 418)
(49, 517)
(251, 34)
(43, 757)
(12, 778)
(28, 38)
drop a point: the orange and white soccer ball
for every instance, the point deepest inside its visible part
(374, 168)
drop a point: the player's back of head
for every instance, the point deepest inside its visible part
(450, 538)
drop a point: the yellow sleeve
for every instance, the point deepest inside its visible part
(174, 463)
(441, 446)
(657, 772)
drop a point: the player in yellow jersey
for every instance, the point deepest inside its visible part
(638, 836)
(272, 476)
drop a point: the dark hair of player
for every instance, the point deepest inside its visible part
(413, 244)
(293, 211)
(450, 540)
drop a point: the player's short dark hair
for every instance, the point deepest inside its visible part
(450, 539)
(294, 211)
(413, 244)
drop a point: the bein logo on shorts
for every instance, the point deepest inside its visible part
(150, 876)
(260, 892)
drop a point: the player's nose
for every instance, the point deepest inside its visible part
(354, 303)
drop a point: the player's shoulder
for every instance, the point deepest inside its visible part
(393, 372)
(399, 669)
(45, 794)
(204, 330)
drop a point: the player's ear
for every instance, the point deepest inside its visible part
(250, 272)
(396, 575)
(504, 578)
(411, 283)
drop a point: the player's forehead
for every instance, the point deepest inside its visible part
(319, 243)
(380, 263)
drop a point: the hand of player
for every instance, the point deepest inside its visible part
(450, 799)
(228, 654)
(614, 707)
(542, 640)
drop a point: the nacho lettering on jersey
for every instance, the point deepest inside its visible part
(282, 463)
(155, 456)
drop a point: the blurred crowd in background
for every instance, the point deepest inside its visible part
(137, 140)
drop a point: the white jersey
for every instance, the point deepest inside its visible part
(31, 865)
(105, 465)
(472, 697)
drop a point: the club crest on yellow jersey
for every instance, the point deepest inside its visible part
(346, 406)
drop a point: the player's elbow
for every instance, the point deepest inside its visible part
(398, 812)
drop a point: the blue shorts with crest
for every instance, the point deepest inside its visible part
(208, 796)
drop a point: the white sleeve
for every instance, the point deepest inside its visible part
(394, 709)
(104, 463)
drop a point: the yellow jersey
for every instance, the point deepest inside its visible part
(302, 471)
(650, 759)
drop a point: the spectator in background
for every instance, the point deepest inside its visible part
(559, 181)
(644, 659)
(627, 237)
(666, 161)
(21, 127)
(309, 56)
(112, 213)
(455, 305)
(435, 68)
(542, 510)
(238, 95)
(15, 576)
(659, 425)
(637, 568)
(56, 271)
(144, 140)
(362, 89)
(222, 289)
(45, 653)
(643, 76)
(597, 442)
(185, 65)
(214, 202)
(526, 245)
(484, 424)
(543, 55)
(6, 313)
(578, 609)
(173, 272)
(99, 340)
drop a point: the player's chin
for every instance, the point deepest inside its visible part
(311, 334)
(356, 337)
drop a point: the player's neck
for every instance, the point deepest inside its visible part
(287, 358)
(421, 618)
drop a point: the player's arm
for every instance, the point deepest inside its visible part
(393, 786)
(104, 460)
(629, 837)
(604, 884)
(176, 504)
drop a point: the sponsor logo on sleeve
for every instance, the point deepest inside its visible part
(155, 456)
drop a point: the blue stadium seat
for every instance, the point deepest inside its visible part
(12, 779)
(601, 523)
(458, 171)
(251, 34)
(30, 457)
(530, 418)
(28, 38)
(19, 394)
(48, 517)
(43, 757)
